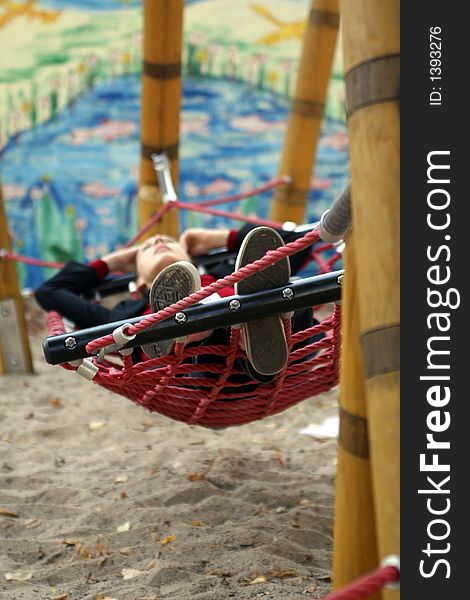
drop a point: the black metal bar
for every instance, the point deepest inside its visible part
(111, 285)
(307, 292)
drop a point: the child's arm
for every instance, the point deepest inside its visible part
(62, 293)
(198, 241)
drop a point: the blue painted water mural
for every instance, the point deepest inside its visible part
(70, 185)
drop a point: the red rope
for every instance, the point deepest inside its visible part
(284, 180)
(367, 585)
(226, 214)
(157, 217)
(36, 262)
(55, 324)
(201, 209)
(199, 206)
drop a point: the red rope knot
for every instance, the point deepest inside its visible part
(126, 371)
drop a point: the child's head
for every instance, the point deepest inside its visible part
(155, 254)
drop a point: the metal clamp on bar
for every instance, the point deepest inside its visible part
(120, 336)
(336, 221)
(161, 164)
(87, 369)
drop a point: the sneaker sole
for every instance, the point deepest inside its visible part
(171, 285)
(265, 340)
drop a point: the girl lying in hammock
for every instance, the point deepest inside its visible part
(165, 274)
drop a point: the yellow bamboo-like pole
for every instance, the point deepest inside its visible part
(161, 99)
(15, 353)
(371, 43)
(303, 125)
(355, 543)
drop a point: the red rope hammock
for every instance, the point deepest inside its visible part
(205, 384)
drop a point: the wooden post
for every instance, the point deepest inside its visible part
(15, 353)
(303, 126)
(371, 57)
(355, 544)
(161, 99)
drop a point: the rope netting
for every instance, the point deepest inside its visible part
(206, 383)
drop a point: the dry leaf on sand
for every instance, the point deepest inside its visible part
(18, 576)
(54, 401)
(259, 579)
(32, 523)
(121, 478)
(168, 539)
(202, 474)
(131, 573)
(6, 512)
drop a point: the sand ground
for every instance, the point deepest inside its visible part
(100, 499)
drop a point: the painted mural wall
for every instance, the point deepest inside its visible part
(70, 111)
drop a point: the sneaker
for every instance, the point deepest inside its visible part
(265, 340)
(172, 284)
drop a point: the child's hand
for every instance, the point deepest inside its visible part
(122, 260)
(198, 241)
